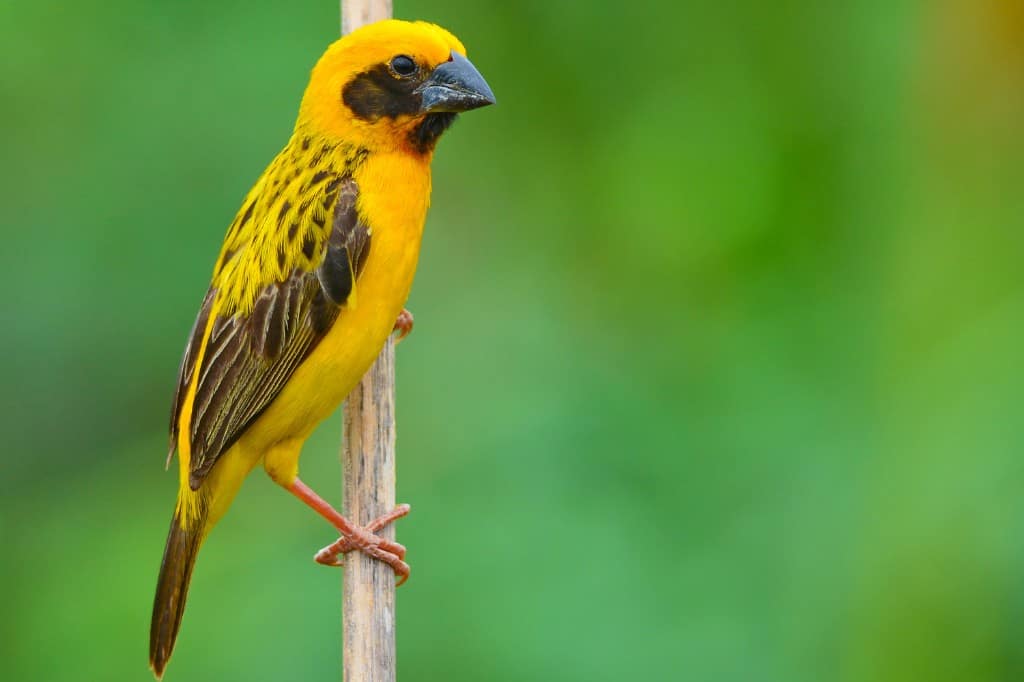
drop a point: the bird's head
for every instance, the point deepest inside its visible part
(392, 85)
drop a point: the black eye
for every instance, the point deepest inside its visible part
(403, 65)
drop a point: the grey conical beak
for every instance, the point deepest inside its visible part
(455, 86)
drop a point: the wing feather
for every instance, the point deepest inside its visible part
(187, 367)
(249, 357)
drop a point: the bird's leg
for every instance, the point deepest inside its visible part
(403, 325)
(354, 537)
(328, 556)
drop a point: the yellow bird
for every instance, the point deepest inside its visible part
(311, 279)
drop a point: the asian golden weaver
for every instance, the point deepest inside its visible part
(313, 273)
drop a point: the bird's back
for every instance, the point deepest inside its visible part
(348, 349)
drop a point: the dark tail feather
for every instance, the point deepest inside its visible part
(172, 587)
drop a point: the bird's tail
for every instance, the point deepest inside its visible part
(183, 541)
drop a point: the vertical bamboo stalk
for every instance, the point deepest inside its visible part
(355, 13)
(368, 462)
(368, 466)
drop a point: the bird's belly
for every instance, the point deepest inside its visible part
(343, 356)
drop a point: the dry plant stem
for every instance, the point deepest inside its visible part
(356, 13)
(368, 604)
(368, 466)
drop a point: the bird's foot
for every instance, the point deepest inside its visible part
(403, 325)
(367, 541)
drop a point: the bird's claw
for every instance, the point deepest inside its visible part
(403, 325)
(368, 542)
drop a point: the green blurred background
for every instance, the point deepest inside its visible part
(716, 372)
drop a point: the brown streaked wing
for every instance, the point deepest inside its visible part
(188, 364)
(249, 359)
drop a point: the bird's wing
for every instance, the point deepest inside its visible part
(247, 347)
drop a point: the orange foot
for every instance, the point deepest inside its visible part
(367, 541)
(403, 325)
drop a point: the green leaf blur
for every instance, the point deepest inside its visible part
(716, 372)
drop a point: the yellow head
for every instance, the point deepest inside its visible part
(392, 85)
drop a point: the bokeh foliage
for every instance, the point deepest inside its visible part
(716, 373)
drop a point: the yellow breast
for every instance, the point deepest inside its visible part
(394, 194)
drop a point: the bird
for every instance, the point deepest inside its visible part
(312, 277)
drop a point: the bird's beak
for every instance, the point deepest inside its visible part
(455, 86)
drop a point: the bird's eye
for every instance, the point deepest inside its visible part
(403, 65)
